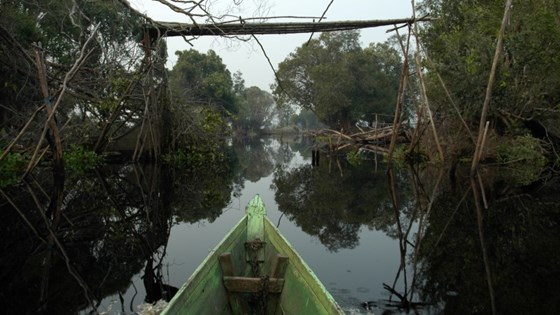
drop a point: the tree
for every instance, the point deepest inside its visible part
(375, 91)
(98, 74)
(306, 119)
(202, 79)
(257, 109)
(338, 80)
(460, 42)
(285, 114)
(238, 83)
(203, 100)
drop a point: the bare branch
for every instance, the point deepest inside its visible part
(320, 19)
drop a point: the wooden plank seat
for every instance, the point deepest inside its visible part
(269, 285)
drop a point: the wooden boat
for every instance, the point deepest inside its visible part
(253, 270)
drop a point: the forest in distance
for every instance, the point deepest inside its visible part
(104, 88)
(471, 92)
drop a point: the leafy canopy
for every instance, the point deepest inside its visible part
(257, 109)
(461, 41)
(338, 80)
(202, 79)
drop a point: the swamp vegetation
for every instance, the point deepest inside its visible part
(464, 109)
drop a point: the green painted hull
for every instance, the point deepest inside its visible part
(301, 292)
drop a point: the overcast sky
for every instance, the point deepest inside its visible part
(247, 57)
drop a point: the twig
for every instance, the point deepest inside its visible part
(400, 96)
(491, 80)
(449, 220)
(424, 217)
(320, 19)
(423, 93)
(403, 299)
(53, 239)
(480, 225)
(58, 163)
(114, 115)
(77, 64)
(20, 134)
(271, 66)
(402, 243)
(22, 215)
(480, 146)
(481, 184)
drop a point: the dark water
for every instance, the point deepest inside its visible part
(130, 234)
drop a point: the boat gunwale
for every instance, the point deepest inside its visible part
(205, 264)
(334, 306)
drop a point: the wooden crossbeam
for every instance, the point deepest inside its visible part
(252, 285)
(168, 29)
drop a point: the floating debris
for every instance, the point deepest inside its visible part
(152, 309)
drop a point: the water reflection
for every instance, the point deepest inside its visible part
(257, 158)
(521, 235)
(332, 201)
(110, 226)
(115, 225)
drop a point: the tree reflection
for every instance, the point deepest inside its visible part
(520, 235)
(114, 224)
(333, 203)
(257, 157)
(202, 193)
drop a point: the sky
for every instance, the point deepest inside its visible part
(248, 57)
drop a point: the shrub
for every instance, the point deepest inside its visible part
(11, 168)
(79, 160)
(523, 156)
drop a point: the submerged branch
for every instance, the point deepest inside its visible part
(372, 140)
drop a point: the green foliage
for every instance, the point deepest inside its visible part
(204, 145)
(285, 114)
(199, 78)
(11, 168)
(61, 25)
(256, 109)
(212, 122)
(524, 149)
(111, 60)
(195, 156)
(78, 160)
(354, 158)
(461, 42)
(238, 83)
(523, 157)
(400, 155)
(16, 19)
(338, 80)
(203, 101)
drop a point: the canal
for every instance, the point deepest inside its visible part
(411, 240)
